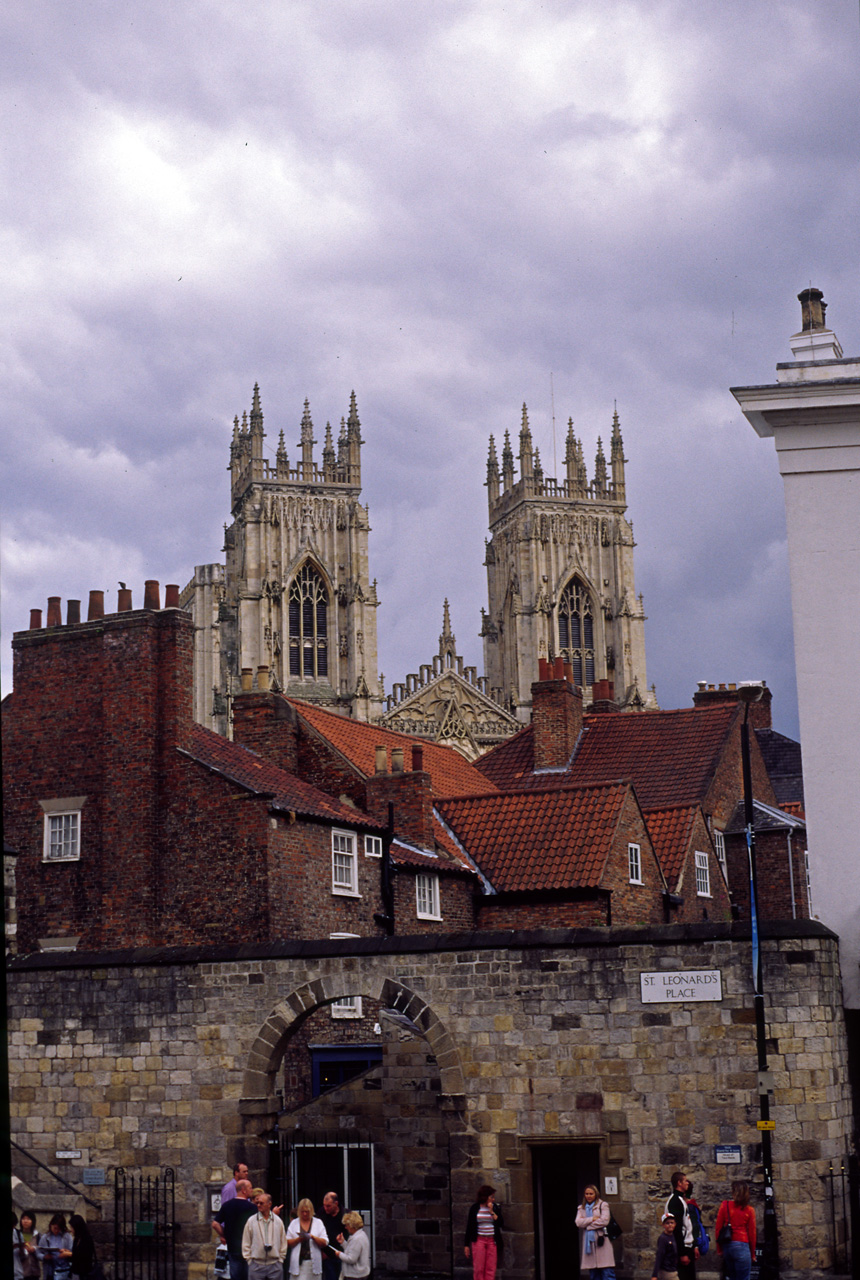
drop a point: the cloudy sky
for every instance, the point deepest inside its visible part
(451, 207)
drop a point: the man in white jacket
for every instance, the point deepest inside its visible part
(264, 1243)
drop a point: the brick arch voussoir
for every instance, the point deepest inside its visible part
(268, 1049)
(395, 995)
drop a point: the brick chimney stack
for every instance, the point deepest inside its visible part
(266, 723)
(411, 794)
(712, 695)
(556, 715)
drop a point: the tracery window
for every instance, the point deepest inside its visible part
(308, 625)
(576, 631)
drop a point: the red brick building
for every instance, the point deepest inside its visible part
(686, 770)
(136, 827)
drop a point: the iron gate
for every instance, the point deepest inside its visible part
(844, 1179)
(312, 1164)
(144, 1226)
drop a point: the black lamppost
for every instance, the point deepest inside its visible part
(751, 691)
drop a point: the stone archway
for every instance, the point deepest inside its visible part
(267, 1051)
(416, 1115)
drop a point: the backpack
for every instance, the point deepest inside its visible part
(701, 1239)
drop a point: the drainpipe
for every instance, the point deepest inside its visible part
(791, 875)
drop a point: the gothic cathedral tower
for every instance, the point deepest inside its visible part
(560, 576)
(293, 608)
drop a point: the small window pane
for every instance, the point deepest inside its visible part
(703, 876)
(634, 858)
(427, 896)
(348, 1007)
(62, 837)
(720, 847)
(344, 873)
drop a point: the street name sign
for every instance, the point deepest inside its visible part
(681, 986)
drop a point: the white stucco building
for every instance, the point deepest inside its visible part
(812, 412)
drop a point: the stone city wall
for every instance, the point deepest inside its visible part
(537, 1043)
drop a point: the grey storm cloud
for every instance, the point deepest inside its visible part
(451, 208)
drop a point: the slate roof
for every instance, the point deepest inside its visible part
(671, 830)
(782, 759)
(446, 856)
(669, 756)
(765, 818)
(259, 776)
(539, 839)
(451, 774)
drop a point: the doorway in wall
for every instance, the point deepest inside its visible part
(561, 1171)
(314, 1164)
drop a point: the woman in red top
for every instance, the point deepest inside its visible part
(740, 1251)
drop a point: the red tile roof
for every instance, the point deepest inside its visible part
(539, 839)
(795, 808)
(451, 773)
(671, 830)
(258, 775)
(669, 756)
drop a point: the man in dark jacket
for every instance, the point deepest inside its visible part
(333, 1223)
(684, 1239)
(230, 1221)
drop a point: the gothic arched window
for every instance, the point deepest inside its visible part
(576, 631)
(308, 625)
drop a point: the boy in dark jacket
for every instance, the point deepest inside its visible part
(666, 1261)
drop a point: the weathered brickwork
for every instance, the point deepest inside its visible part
(171, 852)
(532, 1043)
(781, 873)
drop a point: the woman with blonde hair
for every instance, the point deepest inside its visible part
(355, 1258)
(306, 1239)
(597, 1258)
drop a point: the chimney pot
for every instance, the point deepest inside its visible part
(55, 615)
(247, 679)
(417, 759)
(263, 679)
(558, 669)
(381, 762)
(96, 608)
(397, 760)
(73, 613)
(35, 619)
(123, 600)
(151, 594)
(812, 309)
(171, 595)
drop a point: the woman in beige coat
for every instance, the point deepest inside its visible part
(597, 1259)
